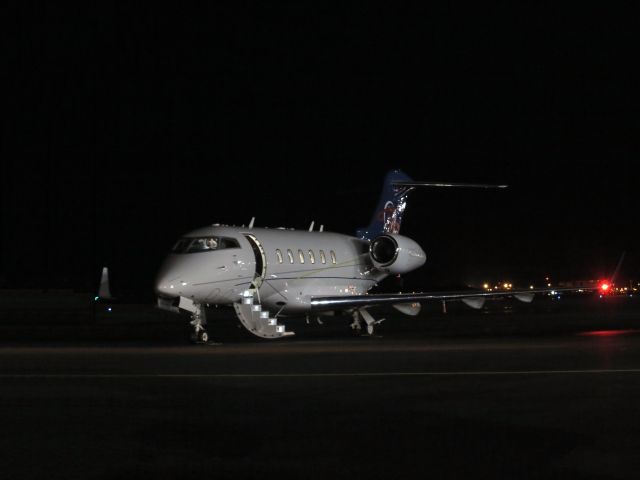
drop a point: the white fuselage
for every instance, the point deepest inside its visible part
(287, 266)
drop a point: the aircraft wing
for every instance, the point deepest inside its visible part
(474, 299)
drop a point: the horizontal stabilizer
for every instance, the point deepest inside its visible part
(387, 217)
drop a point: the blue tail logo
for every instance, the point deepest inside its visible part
(388, 214)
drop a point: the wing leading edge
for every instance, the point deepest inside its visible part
(359, 301)
(412, 183)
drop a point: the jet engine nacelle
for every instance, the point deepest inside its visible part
(393, 253)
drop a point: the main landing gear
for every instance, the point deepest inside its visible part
(356, 325)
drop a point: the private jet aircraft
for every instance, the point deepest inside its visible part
(270, 273)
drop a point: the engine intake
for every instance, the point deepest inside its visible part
(393, 253)
(384, 250)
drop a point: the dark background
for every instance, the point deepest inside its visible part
(128, 126)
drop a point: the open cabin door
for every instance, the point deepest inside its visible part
(261, 260)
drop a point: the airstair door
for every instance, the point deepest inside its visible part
(261, 260)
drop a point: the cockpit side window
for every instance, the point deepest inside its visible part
(181, 245)
(226, 242)
(204, 244)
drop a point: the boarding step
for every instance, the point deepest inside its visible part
(257, 320)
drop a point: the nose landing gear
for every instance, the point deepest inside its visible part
(199, 337)
(198, 321)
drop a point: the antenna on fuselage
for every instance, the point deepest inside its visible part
(321, 228)
(253, 219)
(311, 226)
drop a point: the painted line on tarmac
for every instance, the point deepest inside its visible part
(316, 375)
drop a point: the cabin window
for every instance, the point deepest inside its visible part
(322, 257)
(312, 257)
(279, 255)
(333, 256)
(301, 256)
(290, 255)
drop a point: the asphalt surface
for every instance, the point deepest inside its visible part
(539, 392)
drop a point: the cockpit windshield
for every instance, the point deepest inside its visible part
(204, 244)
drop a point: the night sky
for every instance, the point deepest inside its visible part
(128, 126)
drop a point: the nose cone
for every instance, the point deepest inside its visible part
(168, 279)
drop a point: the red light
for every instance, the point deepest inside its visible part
(608, 333)
(604, 287)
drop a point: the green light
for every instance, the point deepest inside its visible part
(96, 299)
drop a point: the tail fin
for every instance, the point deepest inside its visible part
(395, 190)
(104, 291)
(388, 214)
